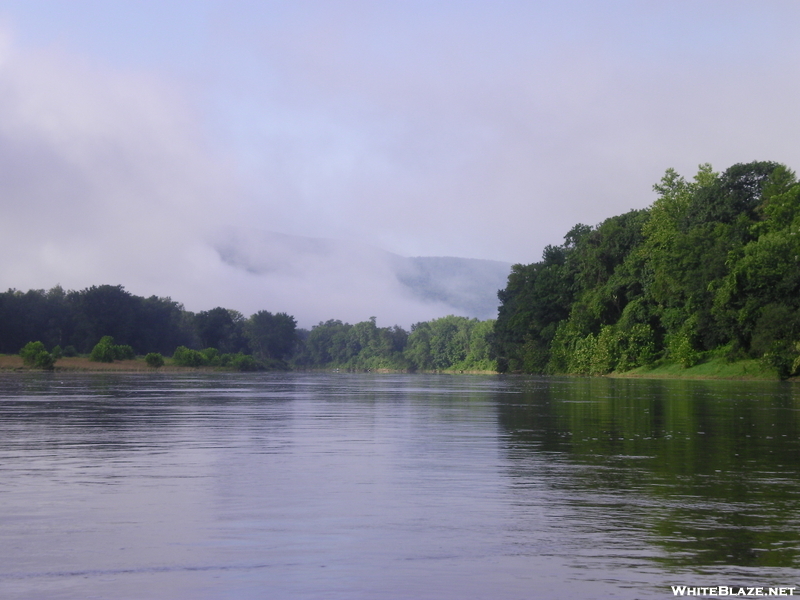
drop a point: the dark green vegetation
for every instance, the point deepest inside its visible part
(34, 354)
(448, 343)
(710, 271)
(707, 275)
(107, 351)
(154, 359)
(111, 324)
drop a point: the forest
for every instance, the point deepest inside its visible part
(109, 323)
(710, 269)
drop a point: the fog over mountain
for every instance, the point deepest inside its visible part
(367, 276)
(152, 144)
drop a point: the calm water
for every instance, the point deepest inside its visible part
(419, 487)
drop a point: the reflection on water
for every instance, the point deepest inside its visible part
(393, 486)
(709, 471)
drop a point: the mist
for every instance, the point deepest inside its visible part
(296, 158)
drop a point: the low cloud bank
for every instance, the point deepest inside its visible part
(104, 180)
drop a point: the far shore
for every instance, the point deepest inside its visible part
(745, 370)
(13, 362)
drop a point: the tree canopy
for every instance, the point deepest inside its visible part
(710, 266)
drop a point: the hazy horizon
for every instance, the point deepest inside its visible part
(133, 135)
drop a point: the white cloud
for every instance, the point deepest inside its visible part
(104, 179)
(461, 129)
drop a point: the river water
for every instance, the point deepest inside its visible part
(385, 486)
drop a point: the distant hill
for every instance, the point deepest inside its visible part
(467, 284)
(463, 286)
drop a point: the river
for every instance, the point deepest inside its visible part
(393, 486)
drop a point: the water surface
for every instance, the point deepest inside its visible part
(379, 486)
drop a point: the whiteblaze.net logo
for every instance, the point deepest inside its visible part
(724, 591)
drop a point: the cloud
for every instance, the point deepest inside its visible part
(104, 178)
(437, 128)
(489, 131)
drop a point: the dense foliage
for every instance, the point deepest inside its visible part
(108, 323)
(711, 268)
(451, 342)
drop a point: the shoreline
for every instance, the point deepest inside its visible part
(747, 370)
(11, 363)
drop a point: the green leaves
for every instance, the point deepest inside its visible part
(107, 351)
(707, 266)
(34, 354)
(154, 360)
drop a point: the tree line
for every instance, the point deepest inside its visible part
(711, 268)
(99, 320)
(107, 322)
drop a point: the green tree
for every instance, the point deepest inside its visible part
(271, 336)
(221, 328)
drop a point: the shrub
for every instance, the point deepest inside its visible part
(104, 350)
(34, 354)
(186, 357)
(107, 351)
(782, 357)
(681, 350)
(244, 362)
(45, 360)
(123, 352)
(154, 359)
(211, 356)
(69, 351)
(30, 351)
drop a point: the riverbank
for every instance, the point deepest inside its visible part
(715, 368)
(13, 362)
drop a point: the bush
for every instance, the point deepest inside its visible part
(104, 350)
(681, 350)
(782, 356)
(244, 362)
(34, 354)
(124, 352)
(44, 360)
(154, 359)
(69, 351)
(107, 351)
(30, 351)
(211, 357)
(186, 357)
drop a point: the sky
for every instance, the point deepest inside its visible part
(132, 133)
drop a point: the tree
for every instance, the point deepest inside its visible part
(100, 311)
(221, 328)
(271, 336)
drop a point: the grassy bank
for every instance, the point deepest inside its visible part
(13, 362)
(714, 368)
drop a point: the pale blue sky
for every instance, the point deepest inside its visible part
(475, 129)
